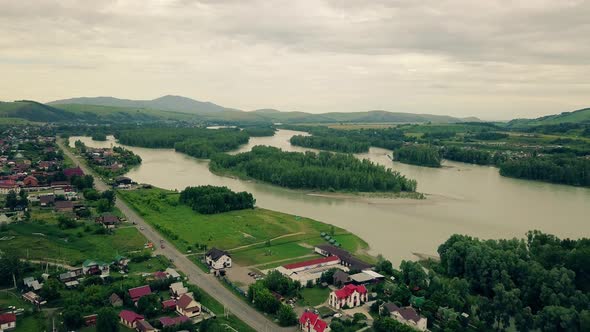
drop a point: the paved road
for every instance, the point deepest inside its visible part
(196, 276)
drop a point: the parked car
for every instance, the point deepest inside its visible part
(337, 315)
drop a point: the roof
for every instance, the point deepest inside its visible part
(114, 298)
(160, 275)
(340, 276)
(169, 303)
(170, 321)
(178, 288)
(129, 316)
(73, 171)
(216, 254)
(137, 292)
(348, 290)
(407, 313)
(144, 325)
(7, 318)
(64, 204)
(184, 301)
(109, 218)
(317, 324)
(172, 273)
(345, 256)
(316, 261)
(373, 274)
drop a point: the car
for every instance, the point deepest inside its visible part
(161, 241)
(141, 228)
(337, 315)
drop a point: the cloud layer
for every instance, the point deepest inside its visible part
(493, 59)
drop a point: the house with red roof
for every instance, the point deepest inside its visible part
(311, 322)
(76, 171)
(7, 322)
(169, 304)
(30, 181)
(136, 293)
(129, 318)
(173, 321)
(160, 275)
(188, 306)
(7, 186)
(144, 326)
(350, 296)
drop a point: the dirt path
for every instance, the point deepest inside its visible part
(42, 262)
(262, 242)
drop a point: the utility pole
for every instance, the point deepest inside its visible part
(14, 279)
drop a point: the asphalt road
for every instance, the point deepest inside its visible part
(196, 276)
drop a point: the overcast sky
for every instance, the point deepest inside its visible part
(491, 59)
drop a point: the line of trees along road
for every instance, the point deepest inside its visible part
(212, 199)
(323, 171)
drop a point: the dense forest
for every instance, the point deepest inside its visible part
(348, 141)
(322, 171)
(473, 156)
(260, 131)
(212, 199)
(557, 169)
(540, 283)
(196, 142)
(418, 154)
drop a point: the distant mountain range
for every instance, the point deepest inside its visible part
(210, 111)
(101, 109)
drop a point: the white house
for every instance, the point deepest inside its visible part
(349, 295)
(7, 322)
(188, 306)
(406, 315)
(218, 259)
(310, 270)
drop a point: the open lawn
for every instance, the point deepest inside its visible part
(46, 241)
(243, 232)
(313, 296)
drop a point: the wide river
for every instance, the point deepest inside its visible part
(462, 198)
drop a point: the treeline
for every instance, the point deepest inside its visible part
(322, 171)
(418, 154)
(540, 283)
(126, 157)
(348, 141)
(339, 144)
(557, 169)
(196, 142)
(490, 136)
(260, 131)
(212, 199)
(473, 156)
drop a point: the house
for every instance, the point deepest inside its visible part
(172, 273)
(129, 318)
(346, 258)
(71, 275)
(311, 322)
(76, 171)
(123, 180)
(121, 261)
(90, 267)
(173, 321)
(169, 304)
(137, 292)
(7, 322)
(30, 282)
(115, 300)
(64, 206)
(350, 296)
(108, 220)
(187, 306)
(33, 298)
(6, 186)
(46, 200)
(218, 259)
(310, 270)
(177, 289)
(90, 320)
(30, 181)
(160, 275)
(406, 315)
(340, 278)
(144, 326)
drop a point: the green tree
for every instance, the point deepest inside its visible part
(11, 200)
(72, 318)
(148, 305)
(107, 320)
(51, 289)
(286, 316)
(103, 205)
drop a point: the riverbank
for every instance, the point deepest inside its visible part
(253, 236)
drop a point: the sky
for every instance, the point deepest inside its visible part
(491, 59)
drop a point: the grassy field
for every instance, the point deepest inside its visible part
(234, 230)
(313, 296)
(45, 241)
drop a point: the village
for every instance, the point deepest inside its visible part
(104, 261)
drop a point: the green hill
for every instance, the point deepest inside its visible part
(579, 116)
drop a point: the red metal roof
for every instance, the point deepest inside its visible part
(316, 261)
(130, 316)
(7, 318)
(317, 324)
(169, 304)
(348, 290)
(73, 171)
(169, 321)
(137, 292)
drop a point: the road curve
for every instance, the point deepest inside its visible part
(196, 276)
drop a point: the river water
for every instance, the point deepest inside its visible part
(461, 198)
